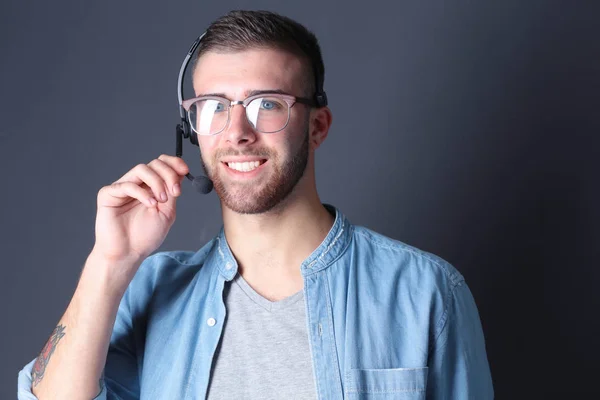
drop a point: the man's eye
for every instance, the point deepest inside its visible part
(269, 105)
(220, 107)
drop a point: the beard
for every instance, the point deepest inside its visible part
(250, 198)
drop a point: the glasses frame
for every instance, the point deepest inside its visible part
(288, 98)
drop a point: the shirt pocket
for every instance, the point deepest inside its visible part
(380, 384)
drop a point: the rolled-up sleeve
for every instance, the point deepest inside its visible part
(458, 364)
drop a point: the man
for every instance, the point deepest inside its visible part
(289, 300)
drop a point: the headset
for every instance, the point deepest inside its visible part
(183, 130)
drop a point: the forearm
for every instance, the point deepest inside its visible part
(71, 363)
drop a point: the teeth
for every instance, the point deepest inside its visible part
(245, 166)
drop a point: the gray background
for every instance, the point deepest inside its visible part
(464, 128)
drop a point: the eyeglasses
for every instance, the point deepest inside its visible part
(266, 113)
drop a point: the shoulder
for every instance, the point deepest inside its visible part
(421, 282)
(397, 259)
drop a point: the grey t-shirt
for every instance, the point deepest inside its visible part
(263, 352)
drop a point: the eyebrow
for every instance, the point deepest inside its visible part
(248, 94)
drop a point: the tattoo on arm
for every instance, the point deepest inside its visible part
(42, 361)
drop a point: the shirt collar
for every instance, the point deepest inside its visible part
(334, 244)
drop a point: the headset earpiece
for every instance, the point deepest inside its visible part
(321, 99)
(189, 133)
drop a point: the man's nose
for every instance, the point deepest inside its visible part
(239, 130)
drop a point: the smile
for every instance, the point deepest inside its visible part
(246, 166)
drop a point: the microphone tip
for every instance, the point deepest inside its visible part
(203, 184)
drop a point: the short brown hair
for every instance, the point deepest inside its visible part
(241, 30)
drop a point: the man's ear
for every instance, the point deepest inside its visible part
(320, 121)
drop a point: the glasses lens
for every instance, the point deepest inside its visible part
(208, 117)
(268, 114)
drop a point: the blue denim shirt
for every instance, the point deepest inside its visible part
(384, 320)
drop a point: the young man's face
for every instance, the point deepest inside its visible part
(282, 155)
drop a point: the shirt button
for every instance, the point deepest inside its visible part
(228, 266)
(211, 322)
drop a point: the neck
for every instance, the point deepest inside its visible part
(270, 247)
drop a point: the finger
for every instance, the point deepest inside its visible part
(143, 174)
(176, 163)
(171, 178)
(119, 193)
